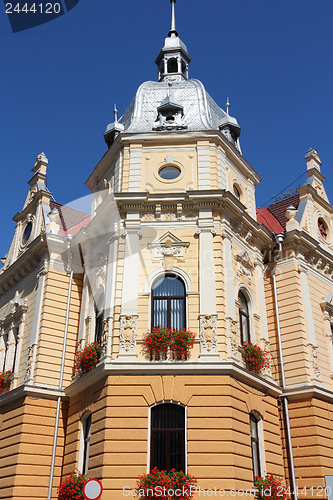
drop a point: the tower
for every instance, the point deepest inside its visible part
(174, 246)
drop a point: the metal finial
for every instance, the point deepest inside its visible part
(227, 105)
(115, 110)
(173, 31)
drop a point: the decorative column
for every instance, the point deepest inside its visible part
(19, 340)
(265, 344)
(229, 280)
(35, 325)
(110, 289)
(129, 298)
(207, 290)
(328, 318)
(84, 325)
(309, 325)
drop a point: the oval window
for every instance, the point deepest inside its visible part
(169, 172)
(322, 228)
(27, 233)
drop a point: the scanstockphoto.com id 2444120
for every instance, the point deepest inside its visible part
(266, 493)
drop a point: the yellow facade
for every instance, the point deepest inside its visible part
(172, 198)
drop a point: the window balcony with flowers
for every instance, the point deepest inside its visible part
(87, 359)
(71, 488)
(166, 485)
(269, 488)
(255, 358)
(167, 344)
(5, 381)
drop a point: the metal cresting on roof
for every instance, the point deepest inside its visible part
(27, 14)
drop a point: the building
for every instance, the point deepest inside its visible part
(174, 237)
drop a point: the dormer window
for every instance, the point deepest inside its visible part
(170, 115)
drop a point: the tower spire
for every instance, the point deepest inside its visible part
(173, 59)
(173, 31)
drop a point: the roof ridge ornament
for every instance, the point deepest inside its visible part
(227, 105)
(173, 31)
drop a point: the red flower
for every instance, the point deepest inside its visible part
(88, 358)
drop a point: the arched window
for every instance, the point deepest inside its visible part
(257, 445)
(244, 318)
(172, 65)
(84, 444)
(99, 318)
(167, 443)
(4, 350)
(168, 303)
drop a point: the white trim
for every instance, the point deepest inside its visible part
(252, 309)
(260, 428)
(83, 422)
(149, 428)
(161, 272)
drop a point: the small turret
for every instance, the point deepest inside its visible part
(173, 60)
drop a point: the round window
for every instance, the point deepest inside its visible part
(27, 233)
(169, 172)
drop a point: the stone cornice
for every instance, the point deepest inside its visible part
(27, 262)
(39, 195)
(313, 254)
(107, 368)
(309, 392)
(32, 391)
(308, 189)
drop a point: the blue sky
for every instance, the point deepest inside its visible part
(60, 80)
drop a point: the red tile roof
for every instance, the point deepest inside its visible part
(71, 220)
(273, 216)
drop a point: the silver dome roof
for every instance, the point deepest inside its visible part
(200, 111)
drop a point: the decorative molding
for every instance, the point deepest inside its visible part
(30, 362)
(208, 333)
(245, 265)
(314, 361)
(128, 334)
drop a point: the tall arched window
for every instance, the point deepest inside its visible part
(168, 303)
(244, 318)
(167, 443)
(84, 444)
(99, 318)
(255, 445)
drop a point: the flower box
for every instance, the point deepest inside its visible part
(71, 487)
(88, 358)
(166, 485)
(254, 357)
(5, 381)
(269, 488)
(166, 344)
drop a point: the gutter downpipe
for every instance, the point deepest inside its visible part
(56, 428)
(279, 238)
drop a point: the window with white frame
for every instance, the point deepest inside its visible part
(84, 444)
(169, 302)
(257, 444)
(11, 334)
(244, 318)
(167, 437)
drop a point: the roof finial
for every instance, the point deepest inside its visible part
(115, 110)
(173, 31)
(227, 105)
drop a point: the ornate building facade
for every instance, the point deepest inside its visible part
(174, 238)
